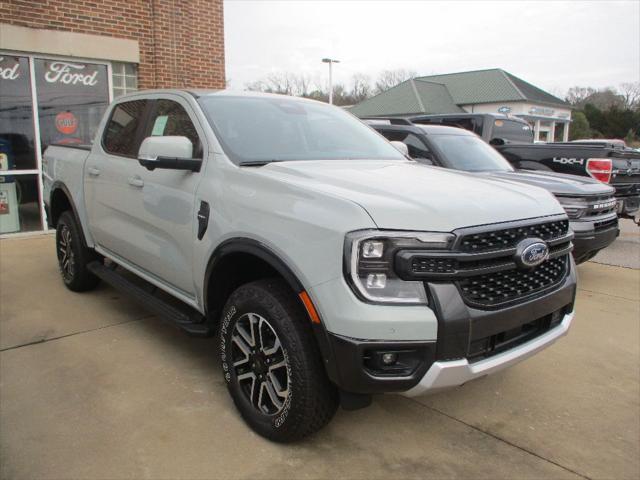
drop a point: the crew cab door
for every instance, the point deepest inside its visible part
(169, 210)
(146, 218)
(112, 203)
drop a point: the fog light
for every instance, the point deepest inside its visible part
(389, 358)
(376, 280)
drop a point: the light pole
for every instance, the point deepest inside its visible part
(330, 61)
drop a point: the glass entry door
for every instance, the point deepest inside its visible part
(19, 173)
(42, 102)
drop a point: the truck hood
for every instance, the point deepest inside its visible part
(406, 195)
(556, 183)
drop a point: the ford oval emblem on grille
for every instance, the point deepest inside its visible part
(531, 252)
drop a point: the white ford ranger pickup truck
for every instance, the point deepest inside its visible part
(331, 266)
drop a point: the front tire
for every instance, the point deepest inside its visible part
(272, 365)
(74, 256)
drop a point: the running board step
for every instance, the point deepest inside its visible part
(187, 319)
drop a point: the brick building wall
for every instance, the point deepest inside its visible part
(181, 41)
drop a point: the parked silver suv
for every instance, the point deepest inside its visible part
(333, 266)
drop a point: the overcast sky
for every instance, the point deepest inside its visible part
(554, 45)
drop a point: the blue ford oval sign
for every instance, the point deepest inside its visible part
(531, 253)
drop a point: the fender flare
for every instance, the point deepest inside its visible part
(263, 252)
(60, 186)
(252, 247)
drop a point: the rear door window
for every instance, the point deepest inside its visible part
(122, 135)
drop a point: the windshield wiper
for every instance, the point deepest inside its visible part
(257, 163)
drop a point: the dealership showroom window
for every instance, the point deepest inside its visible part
(45, 100)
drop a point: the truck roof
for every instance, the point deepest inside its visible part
(500, 116)
(428, 129)
(198, 92)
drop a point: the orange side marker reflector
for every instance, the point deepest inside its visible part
(308, 304)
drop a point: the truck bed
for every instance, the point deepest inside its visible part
(65, 163)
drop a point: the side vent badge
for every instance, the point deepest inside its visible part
(203, 219)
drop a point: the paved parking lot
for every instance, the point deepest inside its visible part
(92, 386)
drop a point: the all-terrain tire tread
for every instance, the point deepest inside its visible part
(319, 395)
(83, 280)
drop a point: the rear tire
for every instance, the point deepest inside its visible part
(74, 256)
(272, 365)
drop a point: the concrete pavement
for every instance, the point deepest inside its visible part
(625, 251)
(92, 386)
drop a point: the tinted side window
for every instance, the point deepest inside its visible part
(477, 125)
(518, 132)
(121, 135)
(465, 123)
(169, 118)
(417, 148)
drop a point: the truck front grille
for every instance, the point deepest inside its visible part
(509, 237)
(433, 265)
(600, 206)
(486, 266)
(506, 286)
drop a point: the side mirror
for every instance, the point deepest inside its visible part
(174, 153)
(425, 160)
(401, 147)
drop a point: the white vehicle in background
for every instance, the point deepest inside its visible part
(332, 266)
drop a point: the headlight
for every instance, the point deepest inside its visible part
(369, 264)
(575, 207)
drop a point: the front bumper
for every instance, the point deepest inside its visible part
(593, 235)
(628, 200)
(471, 342)
(453, 373)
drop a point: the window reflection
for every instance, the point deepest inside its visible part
(72, 97)
(17, 150)
(19, 204)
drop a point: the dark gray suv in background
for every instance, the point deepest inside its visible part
(590, 204)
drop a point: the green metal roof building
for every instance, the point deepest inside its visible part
(481, 91)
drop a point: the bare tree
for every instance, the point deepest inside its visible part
(360, 88)
(603, 98)
(630, 93)
(285, 83)
(577, 95)
(302, 85)
(390, 78)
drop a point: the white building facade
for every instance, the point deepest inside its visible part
(549, 123)
(481, 91)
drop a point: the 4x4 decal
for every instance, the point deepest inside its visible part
(568, 161)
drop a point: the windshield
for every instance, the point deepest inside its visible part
(470, 153)
(512, 131)
(263, 129)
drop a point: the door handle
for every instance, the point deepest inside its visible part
(93, 171)
(136, 181)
